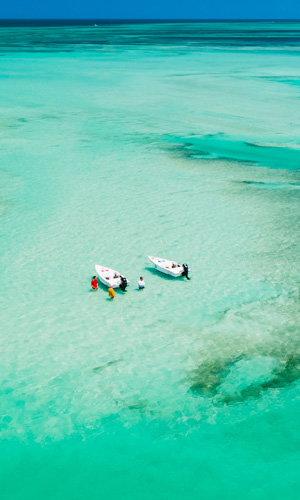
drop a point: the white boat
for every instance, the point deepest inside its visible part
(167, 266)
(109, 277)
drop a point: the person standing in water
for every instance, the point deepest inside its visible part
(94, 283)
(111, 292)
(123, 284)
(185, 272)
(141, 283)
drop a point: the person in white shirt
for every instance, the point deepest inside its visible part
(141, 283)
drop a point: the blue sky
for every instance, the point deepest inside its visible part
(151, 9)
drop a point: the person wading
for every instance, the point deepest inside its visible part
(141, 283)
(94, 283)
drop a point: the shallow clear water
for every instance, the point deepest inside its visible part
(123, 141)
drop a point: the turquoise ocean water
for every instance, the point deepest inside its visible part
(119, 141)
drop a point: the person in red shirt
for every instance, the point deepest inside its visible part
(94, 283)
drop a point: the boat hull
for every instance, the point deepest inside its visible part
(109, 277)
(167, 266)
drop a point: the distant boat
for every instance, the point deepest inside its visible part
(168, 266)
(110, 277)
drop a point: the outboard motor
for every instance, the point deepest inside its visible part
(185, 271)
(123, 283)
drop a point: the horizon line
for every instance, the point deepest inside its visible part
(145, 19)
